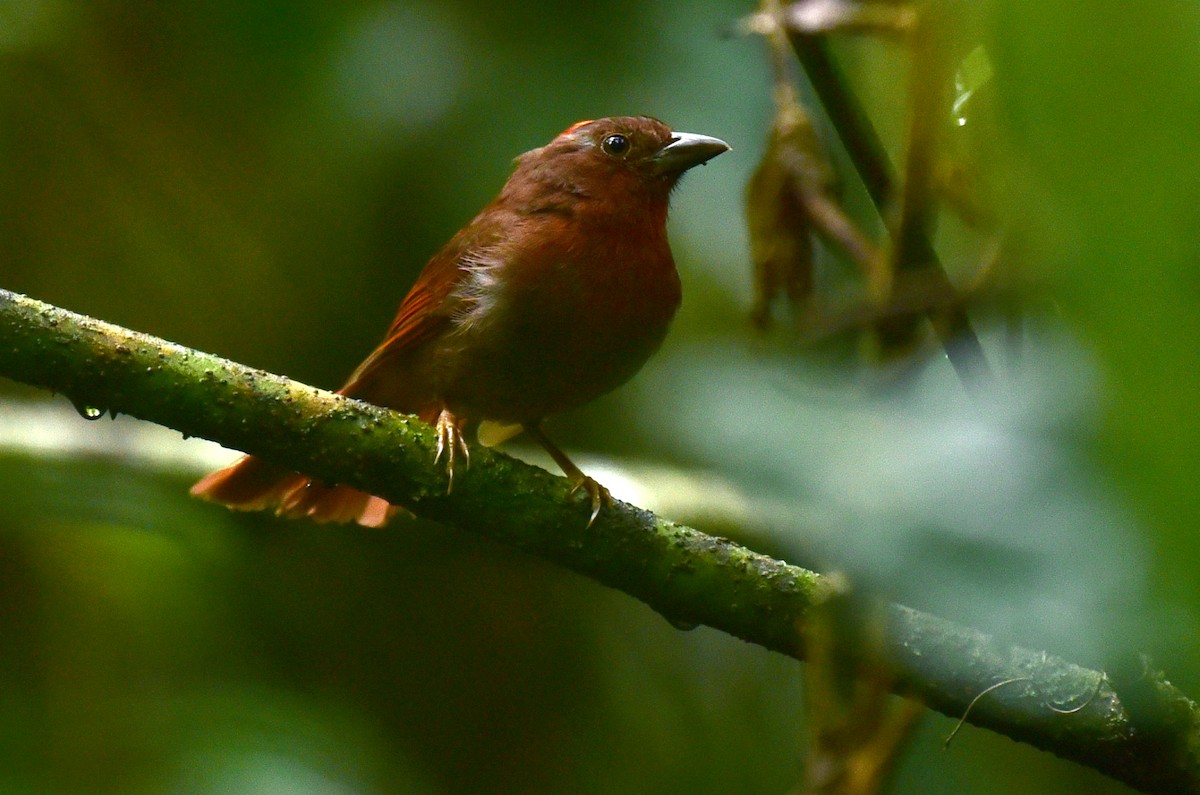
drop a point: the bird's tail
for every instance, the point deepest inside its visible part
(252, 484)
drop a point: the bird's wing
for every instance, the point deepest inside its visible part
(429, 306)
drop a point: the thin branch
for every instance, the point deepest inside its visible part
(1148, 736)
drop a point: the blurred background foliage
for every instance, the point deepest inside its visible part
(264, 180)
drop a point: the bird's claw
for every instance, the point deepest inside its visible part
(598, 494)
(451, 441)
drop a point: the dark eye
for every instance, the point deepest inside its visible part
(615, 145)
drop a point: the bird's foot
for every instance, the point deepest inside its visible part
(599, 495)
(451, 441)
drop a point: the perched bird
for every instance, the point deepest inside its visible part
(555, 293)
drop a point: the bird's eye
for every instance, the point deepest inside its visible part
(615, 145)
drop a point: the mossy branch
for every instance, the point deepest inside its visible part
(1141, 731)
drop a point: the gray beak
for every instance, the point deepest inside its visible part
(686, 150)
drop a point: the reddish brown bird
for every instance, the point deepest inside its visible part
(557, 292)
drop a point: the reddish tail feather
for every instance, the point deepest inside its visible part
(252, 484)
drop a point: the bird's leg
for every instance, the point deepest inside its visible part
(451, 441)
(598, 494)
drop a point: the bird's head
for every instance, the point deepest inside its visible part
(616, 158)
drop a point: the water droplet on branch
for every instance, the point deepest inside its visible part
(89, 413)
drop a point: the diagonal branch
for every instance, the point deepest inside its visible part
(1144, 732)
(866, 152)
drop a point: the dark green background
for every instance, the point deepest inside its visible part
(265, 179)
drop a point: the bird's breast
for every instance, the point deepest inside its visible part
(545, 328)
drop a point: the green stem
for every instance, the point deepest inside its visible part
(866, 152)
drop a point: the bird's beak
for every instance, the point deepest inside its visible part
(686, 150)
